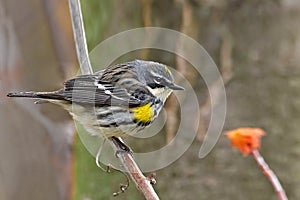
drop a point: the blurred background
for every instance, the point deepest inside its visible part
(255, 44)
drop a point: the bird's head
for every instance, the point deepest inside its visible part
(157, 77)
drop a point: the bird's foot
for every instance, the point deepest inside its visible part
(123, 148)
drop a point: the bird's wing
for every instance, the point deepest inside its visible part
(92, 90)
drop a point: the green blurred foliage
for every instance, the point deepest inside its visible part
(93, 183)
(96, 17)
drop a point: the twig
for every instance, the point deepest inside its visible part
(247, 140)
(79, 37)
(141, 182)
(270, 175)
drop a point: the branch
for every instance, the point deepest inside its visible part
(142, 183)
(270, 175)
(79, 37)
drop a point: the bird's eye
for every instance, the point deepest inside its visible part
(158, 79)
(155, 85)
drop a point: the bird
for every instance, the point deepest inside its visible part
(117, 101)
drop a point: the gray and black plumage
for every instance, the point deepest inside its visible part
(121, 99)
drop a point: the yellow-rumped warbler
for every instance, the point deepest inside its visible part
(119, 100)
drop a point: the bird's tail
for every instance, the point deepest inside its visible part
(56, 95)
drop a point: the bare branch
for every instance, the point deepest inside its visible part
(269, 174)
(79, 37)
(141, 182)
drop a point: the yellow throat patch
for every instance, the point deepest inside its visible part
(143, 113)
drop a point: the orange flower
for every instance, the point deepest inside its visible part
(245, 139)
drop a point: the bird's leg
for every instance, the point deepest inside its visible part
(98, 163)
(123, 187)
(123, 148)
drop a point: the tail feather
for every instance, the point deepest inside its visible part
(38, 95)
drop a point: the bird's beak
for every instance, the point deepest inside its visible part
(173, 86)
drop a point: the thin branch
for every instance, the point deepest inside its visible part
(79, 37)
(270, 175)
(143, 183)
